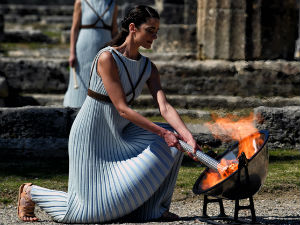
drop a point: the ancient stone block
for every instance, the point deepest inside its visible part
(41, 2)
(190, 12)
(167, 15)
(283, 125)
(279, 29)
(3, 87)
(176, 38)
(136, 2)
(17, 36)
(1, 27)
(221, 30)
(217, 77)
(31, 75)
(35, 131)
(173, 1)
(238, 35)
(43, 131)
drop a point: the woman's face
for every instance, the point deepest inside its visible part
(147, 32)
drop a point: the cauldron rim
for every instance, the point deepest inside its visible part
(195, 190)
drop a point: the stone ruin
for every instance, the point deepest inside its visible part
(210, 54)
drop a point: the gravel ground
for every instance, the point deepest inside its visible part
(269, 210)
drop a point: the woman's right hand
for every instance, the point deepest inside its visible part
(72, 60)
(172, 139)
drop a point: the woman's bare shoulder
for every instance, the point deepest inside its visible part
(105, 57)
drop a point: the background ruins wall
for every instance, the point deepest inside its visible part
(246, 45)
(178, 19)
(235, 30)
(240, 78)
(43, 131)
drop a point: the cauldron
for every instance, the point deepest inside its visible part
(246, 180)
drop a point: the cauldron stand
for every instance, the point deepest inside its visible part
(243, 162)
(242, 184)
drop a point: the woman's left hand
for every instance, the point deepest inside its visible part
(192, 142)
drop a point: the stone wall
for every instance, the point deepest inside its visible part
(38, 2)
(35, 131)
(279, 28)
(283, 125)
(259, 29)
(211, 29)
(178, 31)
(37, 76)
(240, 78)
(43, 131)
(1, 27)
(178, 19)
(221, 29)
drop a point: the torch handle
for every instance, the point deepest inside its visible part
(202, 157)
(75, 78)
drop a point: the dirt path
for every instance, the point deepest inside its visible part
(270, 209)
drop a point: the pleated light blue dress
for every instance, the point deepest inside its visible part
(115, 167)
(89, 42)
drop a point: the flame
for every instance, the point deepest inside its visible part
(231, 128)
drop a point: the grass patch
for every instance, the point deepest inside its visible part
(284, 171)
(185, 118)
(145, 50)
(53, 175)
(52, 34)
(237, 113)
(283, 175)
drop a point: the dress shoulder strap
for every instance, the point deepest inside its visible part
(127, 72)
(99, 16)
(128, 75)
(93, 65)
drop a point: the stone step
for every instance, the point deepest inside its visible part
(185, 102)
(28, 36)
(35, 9)
(42, 52)
(187, 77)
(148, 110)
(38, 2)
(43, 132)
(236, 78)
(38, 19)
(62, 52)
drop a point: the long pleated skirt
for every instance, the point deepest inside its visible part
(115, 168)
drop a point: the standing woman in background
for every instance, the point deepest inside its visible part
(94, 24)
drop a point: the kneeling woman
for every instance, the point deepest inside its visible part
(120, 163)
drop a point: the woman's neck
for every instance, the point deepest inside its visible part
(129, 50)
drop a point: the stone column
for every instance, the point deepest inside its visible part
(3, 82)
(229, 29)
(253, 30)
(177, 33)
(1, 26)
(221, 29)
(297, 50)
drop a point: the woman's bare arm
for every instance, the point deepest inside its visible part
(74, 32)
(167, 111)
(108, 71)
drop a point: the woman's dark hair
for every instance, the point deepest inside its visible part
(137, 15)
